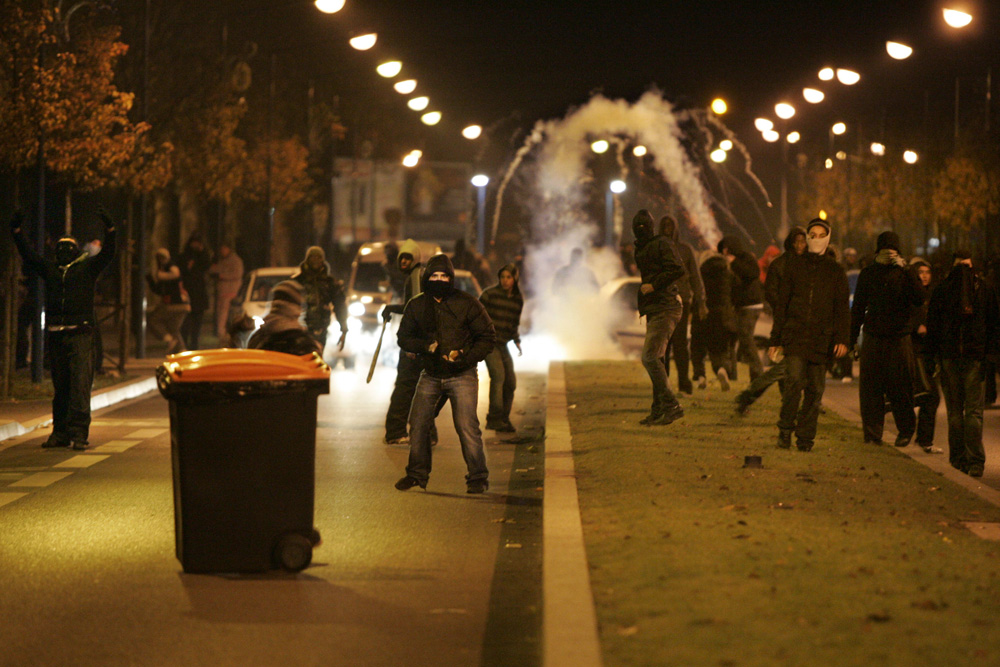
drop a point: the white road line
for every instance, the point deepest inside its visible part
(146, 433)
(81, 461)
(7, 497)
(40, 479)
(115, 446)
(569, 621)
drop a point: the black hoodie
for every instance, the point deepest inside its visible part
(659, 267)
(457, 322)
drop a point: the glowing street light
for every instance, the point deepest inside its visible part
(600, 146)
(364, 42)
(784, 110)
(910, 157)
(763, 124)
(957, 19)
(898, 51)
(405, 87)
(718, 156)
(839, 128)
(828, 163)
(770, 136)
(812, 95)
(480, 181)
(617, 186)
(841, 155)
(389, 69)
(826, 74)
(639, 151)
(329, 6)
(793, 137)
(848, 77)
(877, 148)
(419, 103)
(719, 106)
(726, 145)
(472, 132)
(431, 118)
(412, 159)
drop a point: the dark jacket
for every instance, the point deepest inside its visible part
(690, 287)
(165, 282)
(659, 267)
(457, 322)
(320, 291)
(69, 290)
(884, 300)
(811, 314)
(962, 319)
(504, 310)
(776, 269)
(748, 291)
(918, 317)
(720, 325)
(194, 265)
(411, 278)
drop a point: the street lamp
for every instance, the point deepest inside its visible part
(878, 149)
(472, 132)
(784, 110)
(389, 69)
(718, 156)
(419, 103)
(405, 87)
(826, 74)
(431, 118)
(600, 146)
(329, 6)
(481, 181)
(793, 137)
(412, 158)
(639, 150)
(848, 77)
(763, 124)
(726, 145)
(839, 128)
(616, 187)
(812, 95)
(956, 19)
(770, 136)
(898, 51)
(910, 157)
(719, 106)
(364, 42)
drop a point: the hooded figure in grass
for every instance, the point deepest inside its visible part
(322, 295)
(503, 303)
(451, 332)
(659, 301)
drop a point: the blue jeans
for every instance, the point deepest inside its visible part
(659, 329)
(463, 391)
(503, 382)
(962, 386)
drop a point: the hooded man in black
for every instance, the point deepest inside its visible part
(748, 299)
(692, 292)
(884, 300)
(660, 303)
(450, 331)
(69, 323)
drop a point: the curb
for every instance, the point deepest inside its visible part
(100, 399)
(569, 621)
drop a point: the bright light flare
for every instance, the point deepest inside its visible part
(405, 87)
(412, 159)
(718, 156)
(812, 95)
(617, 186)
(841, 155)
(600, 146)
(956, 19)
(826, 74)
(329, 6)
(877, 148)
(480, 180)
(898, 50)
(389, 69)
(763, 124)
(848, 77)
(828, 163)
(910, 157)
(839, 128)
(364, 42)
(719, 106)
(639, 151)
(419, 103)
(431, 118)
(472, 132)
(784, 110)
(726, 145)
(356, 309)
(770, 136)
(793, 137)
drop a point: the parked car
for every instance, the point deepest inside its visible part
(368, 288)
(252, 299)
(619, 297)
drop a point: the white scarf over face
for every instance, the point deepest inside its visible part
(818, 246)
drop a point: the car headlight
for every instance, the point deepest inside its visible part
(356, 309)
(258, 322)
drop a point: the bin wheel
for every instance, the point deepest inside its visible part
(294, 552)
(314, 537)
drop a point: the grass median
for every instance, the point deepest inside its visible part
(846, 555)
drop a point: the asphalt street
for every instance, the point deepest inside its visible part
(436, 577)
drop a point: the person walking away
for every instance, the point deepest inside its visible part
(795, 245)
(323, 294)
(281, 331)
(194, 262)
(715, 335)
(451, 333)
(884, 301)
(70, 280)
(503, 303)
(228, 273)
(812, 324)
(748, 299)
(576, 278)
(692, 292)
(660, 303)
(962, 330)
(165, 318)
(926, 396)
(408, 368)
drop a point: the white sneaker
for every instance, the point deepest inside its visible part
(723, 379)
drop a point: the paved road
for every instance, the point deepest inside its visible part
(89, 577)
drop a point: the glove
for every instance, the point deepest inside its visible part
(899, 261)
(15, 221)
(386, 314)
(105, 218)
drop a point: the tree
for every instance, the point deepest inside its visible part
(965, 194)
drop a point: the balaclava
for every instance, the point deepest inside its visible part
(67, 250)
(642, 227)
(438, 288)
(818, 246)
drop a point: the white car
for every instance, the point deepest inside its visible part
(368, 288)
(252, 299)
(620, 299)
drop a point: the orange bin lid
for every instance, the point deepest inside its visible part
(234, 365)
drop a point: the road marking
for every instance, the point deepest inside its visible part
(115, 446)
(146, 433)
(985, 530)
(7, 497)
(40, 479)
(81, 461)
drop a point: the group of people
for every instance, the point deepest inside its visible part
(913, 341)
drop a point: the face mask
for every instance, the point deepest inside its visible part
(439, 288)
(66, 252)
(818, 246)
(642, 232)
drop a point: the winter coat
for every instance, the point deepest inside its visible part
(690, 287)
(411, 286)
(884, 300)
(962, 318)
(504, 310)
(811, 314)
(69, 290)
(281, 332)
(194, 265)
(322, 293)
(659, 267)
(457, 322)
(747, 291)
(719, 281)
(918, 316)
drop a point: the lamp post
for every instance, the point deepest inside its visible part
(480, 181)
(616, 187)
